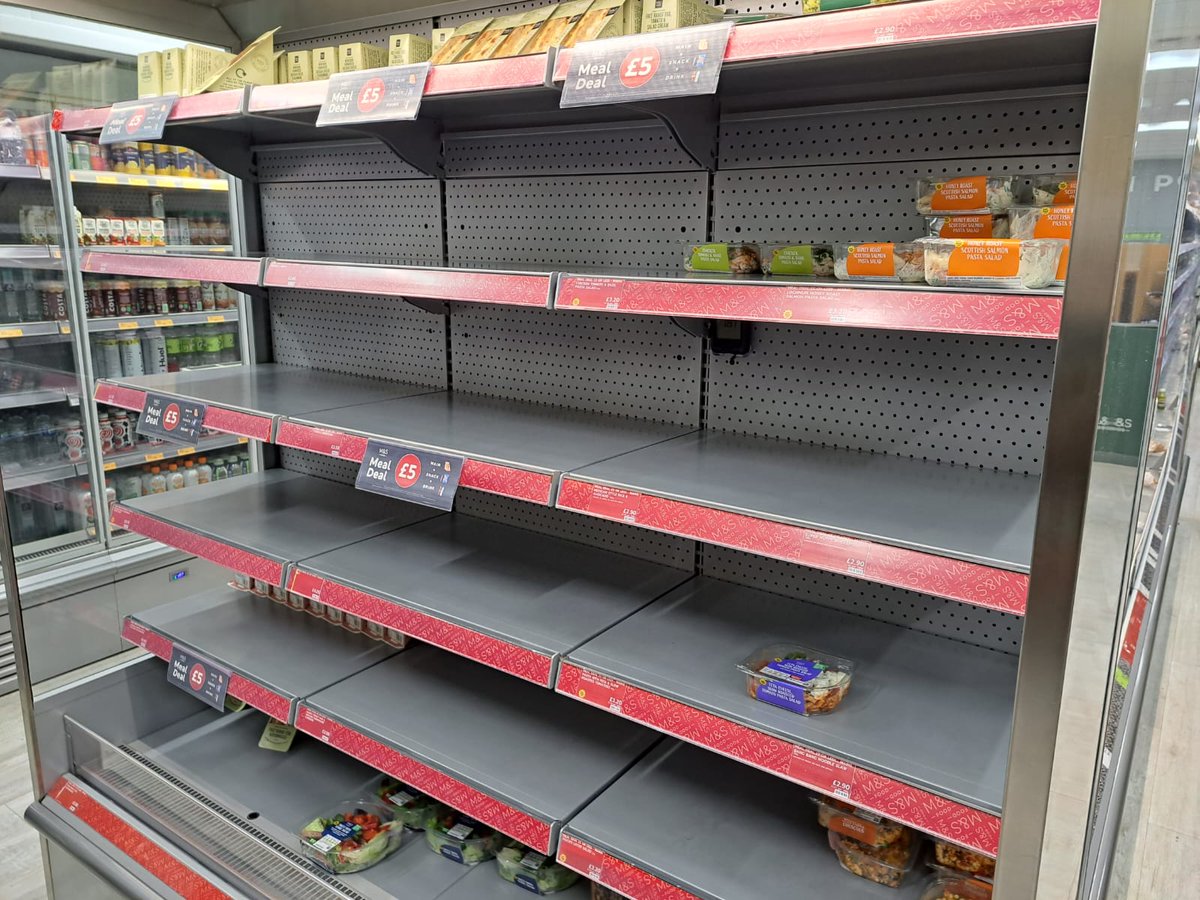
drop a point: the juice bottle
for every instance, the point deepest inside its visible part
(158, 481)
(204, 471)
(191, 477)
(175, 479)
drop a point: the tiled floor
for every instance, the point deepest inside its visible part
(20, 856)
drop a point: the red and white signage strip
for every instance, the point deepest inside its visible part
(515, 823)
(506, 74)
(615, 874)
(491, 651)
(131, 841)
(508, 481)
(1007, 315)
(283, 97)
(235, 558)
(922, 810)
(257, 695)
(897, 566)
(233, 269)
(232, 421)
(508, 288)
(117, 395)
(199, 106)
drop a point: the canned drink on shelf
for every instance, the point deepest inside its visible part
(164, 159)
(146, 158)
(185, 162)
(98, 157)
(81, 155)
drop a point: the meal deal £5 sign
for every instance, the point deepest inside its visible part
(374, 95)
(420, 476)
(172, 419)
(137, 120)
(681, 63)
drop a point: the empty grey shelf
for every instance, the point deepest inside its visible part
(910, 689)
(280, 515)
(531, 749)
(722, 832)
(286, 650)
(528, 589)
(270, 390)
(484, 883)
(975, 515)
(509, 432)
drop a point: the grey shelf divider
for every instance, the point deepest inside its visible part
(721, 831)
(280, 515)
(910, 689)
(286, 650)
(514, 741)
(529, 589)
(976, 515)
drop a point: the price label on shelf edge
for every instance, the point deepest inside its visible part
(137, 120)
(198, 676)
(165, 417)
(374, 95)
(681, 63)
(419, 476)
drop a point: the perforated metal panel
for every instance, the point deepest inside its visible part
(844, 203)
(934, 129)
(376, 337)
(973, 625)
(377, 34)
(975, 401)
(636, 147)
(340, 470)
(366, 221)
(335, 161)
(628, 365)
(634, 222)
(487, 12)
(120, 200)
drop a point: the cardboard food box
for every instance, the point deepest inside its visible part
(665, 15)
(172, 71)
(464, 35)
(440, 36)
(150, 74)
(406, 49)
(299, 66)
(558, 26)
(324, 62)
(519, 37)
(358, 56)
(606, 19)
(254, 65)
(490, 39)
(200, 65)
(281, 67)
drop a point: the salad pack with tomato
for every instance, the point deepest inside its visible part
(357, 835)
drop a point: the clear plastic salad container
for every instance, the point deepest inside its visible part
(1029, 222)
(956, 887)
(961, 859)
(730, 259)
(965, 194)
(410, 807)
(886, 261)
(888, 865)
(994, 263)
(459, 837)
(1055, 189)
(862, 825)
(972, 225)
(354, 835)
(797, 678)
(533, 871)
(797, 259)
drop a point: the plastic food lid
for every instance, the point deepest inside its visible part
(793, 663)
(956, 887)
(898, 858)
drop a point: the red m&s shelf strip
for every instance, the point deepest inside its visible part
(116, 395)
(615, 873)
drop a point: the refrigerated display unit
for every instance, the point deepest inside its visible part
(612, 485)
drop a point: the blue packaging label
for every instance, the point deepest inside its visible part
(795, 669)
(332, 836)
(526, 881)
(782, 695)
(451, 852)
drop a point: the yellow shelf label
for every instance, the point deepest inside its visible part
(64, 328)
(185, 451)
(109, 466)
(11, 332)
(153, 457)
(107, 179)
(137, 181)
(164, 323)
(216, 318)
(125, 326)
(243, 440)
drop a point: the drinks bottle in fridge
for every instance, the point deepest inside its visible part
(122, 433)
(154, 351)
(204, 471)
(175, 479)
(73, 441)
(110, 356)
(106, 434)
(10, 303)
(131, 356)
(210, 345)
(191, 477)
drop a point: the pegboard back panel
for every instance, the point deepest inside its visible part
(630, 222)
(453, 20)
(335, 161)
(638, 366)
(972, 401)
(375, 34)
(375, 337)
(119, 200)
(635, 147)
(947, 618)
(935, 129)
(867, 201)
(343, 471)
(364, 221)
